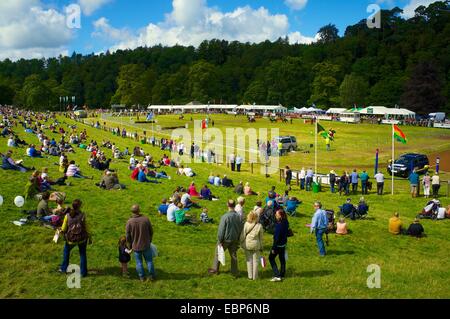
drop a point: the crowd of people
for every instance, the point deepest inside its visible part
(236, 229)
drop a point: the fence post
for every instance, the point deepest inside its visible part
(252, 167)
(448, 188)
(298, 180)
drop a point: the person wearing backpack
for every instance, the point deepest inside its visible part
(76, 233)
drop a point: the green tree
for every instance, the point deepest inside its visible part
(131, 89)
(203, 81)
(256, 93)
(325, 87)
(35, 94)
(387, 92)
(328, 34)
(353, 90)
(423, 91)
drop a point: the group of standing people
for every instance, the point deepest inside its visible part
(233, 234)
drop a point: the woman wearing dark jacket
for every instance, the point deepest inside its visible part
(279, 245)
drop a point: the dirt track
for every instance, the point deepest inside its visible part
(444, 162)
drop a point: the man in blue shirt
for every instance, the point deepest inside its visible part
(142, 177)
(414, 181)
(354, 179)
(319, 225)
(364, 177)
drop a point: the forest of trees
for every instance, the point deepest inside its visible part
(405, 63)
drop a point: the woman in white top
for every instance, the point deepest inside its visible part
(426, 185)
(302, 177)
(252, 243)
(11, 142)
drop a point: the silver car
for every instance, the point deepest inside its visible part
(289, 143)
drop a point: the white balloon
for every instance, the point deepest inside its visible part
(1, 200)
(19, 201)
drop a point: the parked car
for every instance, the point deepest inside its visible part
(289, 143)
(406, 163)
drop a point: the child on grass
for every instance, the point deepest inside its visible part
(204, 216)
(124, 255)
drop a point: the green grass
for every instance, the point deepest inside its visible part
(411, 268)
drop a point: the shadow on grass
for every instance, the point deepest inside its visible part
(340, 252)
(314, 273)
(160, 274)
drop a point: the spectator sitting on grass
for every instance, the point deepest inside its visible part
(204, 216)
(205, 193)
(181, 218)
(187, 202)
(171, 209)
(74, 171)
(416, 229)
(248, 190)
(226, 182)
(348, 210)
(142, 177)
(396, 225)
(363, 208)
(211, 179)
(162, 209)
(341, 227)
(110, 181)
(192, 191)
(239, 189)
(291, 206)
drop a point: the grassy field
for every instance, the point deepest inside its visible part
(410, 268)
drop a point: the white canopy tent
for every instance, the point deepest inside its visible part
(336, 111)
(384, 111)
(300, 111)
(263, 108)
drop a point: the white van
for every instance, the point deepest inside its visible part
(437, 117)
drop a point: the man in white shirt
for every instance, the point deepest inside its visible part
(217, 181)
(188, 172)
(380, 183)
(435, 184)
(171, 211)
(302, 177)
(11, 142)
(132, 162)
(239, 162)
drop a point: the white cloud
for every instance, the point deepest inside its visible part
(296, 4)
(298, 38)
(90, 6)
(409, 9)
(104, 30)
(27, 30)
(192, 22)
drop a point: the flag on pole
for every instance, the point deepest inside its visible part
(399, 135)
(320, 128)
(204, 124)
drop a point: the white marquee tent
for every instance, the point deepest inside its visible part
(384, 111)
(336, 111)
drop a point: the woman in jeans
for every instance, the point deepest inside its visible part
(279, 245)
(252, 243)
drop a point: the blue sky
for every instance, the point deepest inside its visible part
(36, 28)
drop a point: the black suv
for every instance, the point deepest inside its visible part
(407, 163)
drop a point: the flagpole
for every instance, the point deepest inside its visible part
(315, 157)
(393, 157)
